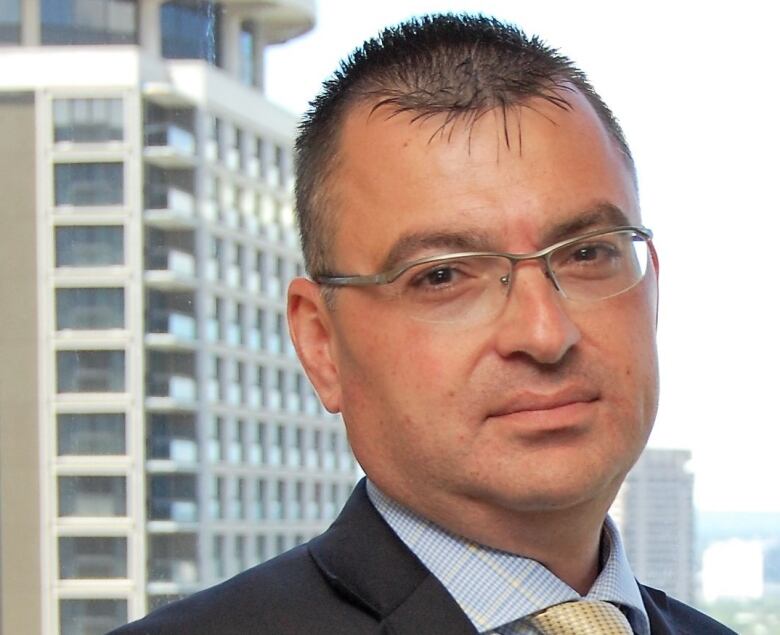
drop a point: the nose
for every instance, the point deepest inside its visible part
(535, 322)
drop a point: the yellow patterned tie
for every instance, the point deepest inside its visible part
(582, 618)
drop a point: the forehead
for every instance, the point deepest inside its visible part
(513, 176)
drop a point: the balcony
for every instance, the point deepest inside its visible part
(169, 207)
(170, 268)
(171, 329)
(281, 19)
(169, 146)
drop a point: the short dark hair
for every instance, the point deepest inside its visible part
(461, 65)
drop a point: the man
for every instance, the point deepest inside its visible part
(481, 310)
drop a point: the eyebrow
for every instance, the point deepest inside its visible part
(408, 246)
(600, 214)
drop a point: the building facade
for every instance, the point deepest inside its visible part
(654, 510)
(156, 431)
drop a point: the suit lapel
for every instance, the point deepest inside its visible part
(363, 559)
(657, 607)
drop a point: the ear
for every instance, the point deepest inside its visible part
(309, 322)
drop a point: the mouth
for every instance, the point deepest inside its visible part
(536, 412)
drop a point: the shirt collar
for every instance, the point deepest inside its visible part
(495, 587)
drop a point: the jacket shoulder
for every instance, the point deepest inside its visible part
(670, 615)
(696, 622)
(285, 595)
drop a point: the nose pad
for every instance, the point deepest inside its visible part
(507, 279)
(548, 273)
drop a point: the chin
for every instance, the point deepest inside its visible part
(558, 494)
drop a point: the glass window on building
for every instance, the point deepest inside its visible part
(88, 434)
(247, 44)
(89, 246)
(172, 437)
(281, 543)
(218, 555)
(258, 512)
(88, 617)
(237, 510)
(89, 21)
(88, 120)
(92, 557)
(261, 548)
(173, 558)
(217, 497)
(190, 29)
(94, 496)
(91, 308)
(89, 184)
(90, 371)
(155, 601)
(173, 497)
(240, 550)
(10, 21)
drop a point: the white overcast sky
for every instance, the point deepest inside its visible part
(694, 85)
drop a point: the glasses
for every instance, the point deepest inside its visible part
(474, 286)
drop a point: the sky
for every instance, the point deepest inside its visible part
(694, 85)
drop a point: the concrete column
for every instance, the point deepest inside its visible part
(31, 23)
(231, 34)
(149, 26)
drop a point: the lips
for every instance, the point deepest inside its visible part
(558, 403)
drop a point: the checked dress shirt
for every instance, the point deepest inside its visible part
(498, 591)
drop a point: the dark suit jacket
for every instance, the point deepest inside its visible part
(357, 578)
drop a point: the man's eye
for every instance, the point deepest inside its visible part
(439, 275)
(594, 253)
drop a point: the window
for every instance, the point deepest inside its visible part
(190, 30)
(89, 21)
(86, 617)
(88, 184)
(93, 557)
(89, 246)
(90, 434)
(259, 500)
(172, 437)
(217, 497)
(247, 50)
(173, 497)
(240, 548)
(261, 548)
(90, 371)
(218, 554)
(102, 308)
(10, 21)
(92, 496)
(173, 558)
(88, 120)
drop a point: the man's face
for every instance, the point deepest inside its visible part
(548, 405)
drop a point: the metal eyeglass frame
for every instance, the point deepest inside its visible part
(391, 275)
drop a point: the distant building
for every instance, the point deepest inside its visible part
(654, 510)
(156, 431)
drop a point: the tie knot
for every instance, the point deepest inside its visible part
(585, 617)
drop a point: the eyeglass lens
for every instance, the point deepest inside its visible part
(474, 288)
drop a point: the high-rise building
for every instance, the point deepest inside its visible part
(156, 431)
(654, 510)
